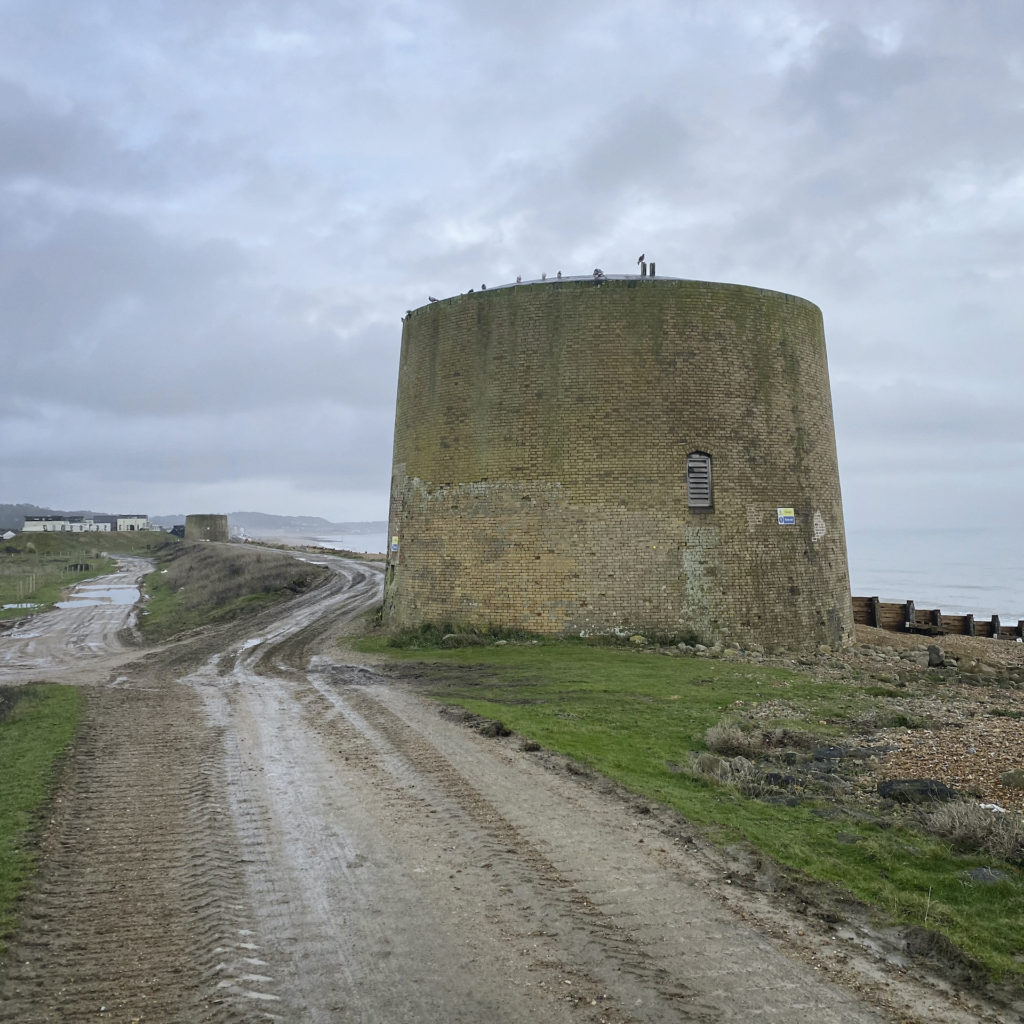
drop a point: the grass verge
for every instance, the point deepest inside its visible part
(36, 725)
(640, 720)
(198, 584)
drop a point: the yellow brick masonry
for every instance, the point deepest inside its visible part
(539, 474)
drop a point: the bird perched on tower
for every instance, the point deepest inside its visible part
(432, 299)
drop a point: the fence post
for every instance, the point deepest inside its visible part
(874, 612)
(937, 619)
(969, 625)
(909, 617)
(995, 627)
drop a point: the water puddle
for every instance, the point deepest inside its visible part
(87, 597)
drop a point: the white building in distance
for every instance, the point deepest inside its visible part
(129, 524)
(80, 524)
(63, 524)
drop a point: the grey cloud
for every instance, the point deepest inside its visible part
(39, 142)
(311, 445)
(212, 216)
(922, 415)
(63, 283)
(849, 80)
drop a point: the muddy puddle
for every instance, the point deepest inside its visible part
(86, 596)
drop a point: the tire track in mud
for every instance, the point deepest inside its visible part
(354, 896)
(587, 930)
(138, 910)
(356, 589)
(537, 901)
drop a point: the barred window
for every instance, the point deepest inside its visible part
(698, 480)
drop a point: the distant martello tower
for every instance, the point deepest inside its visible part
(580, 455)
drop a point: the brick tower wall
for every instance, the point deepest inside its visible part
(539, 475)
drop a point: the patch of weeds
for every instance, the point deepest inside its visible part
(739, 773)
(739, 737)
(734, 738)
(1006, 713)
(884, 691)
(890, 720)
(973, 827)
(450, 634)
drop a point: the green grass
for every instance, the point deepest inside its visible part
(198, 584)
(36, 725)
(636, 718)
(34, 567)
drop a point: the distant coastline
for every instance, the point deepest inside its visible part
(373, 543)
(961, 571)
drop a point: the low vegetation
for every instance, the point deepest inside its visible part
(196, 584)
(36, 568)
(36, 726)
(762, 755)
(449, 635)
(973, 827)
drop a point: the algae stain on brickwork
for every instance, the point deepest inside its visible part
(700, 559)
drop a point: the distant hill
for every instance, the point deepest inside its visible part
(12, 517)
(256, 523)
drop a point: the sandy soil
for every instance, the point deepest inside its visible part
(250, 828)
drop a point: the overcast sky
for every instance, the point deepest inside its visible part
(213, 214)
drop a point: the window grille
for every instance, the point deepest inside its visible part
(698, 480)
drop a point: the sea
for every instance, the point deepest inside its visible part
(375, 542)
(958, 571)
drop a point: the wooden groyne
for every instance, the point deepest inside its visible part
(906, 617)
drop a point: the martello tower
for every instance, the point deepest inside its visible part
(585, 454)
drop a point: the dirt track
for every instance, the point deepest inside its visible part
(250, 829)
